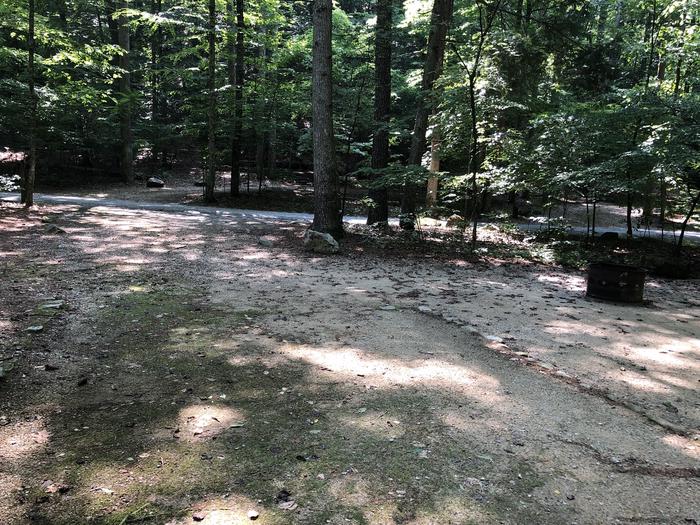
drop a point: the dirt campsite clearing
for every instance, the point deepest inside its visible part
(181, 367)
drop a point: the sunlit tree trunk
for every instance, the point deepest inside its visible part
(382, 106)
(431, 196)
(210, 180)
(327, 216)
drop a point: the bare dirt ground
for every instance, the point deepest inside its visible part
(190, 374)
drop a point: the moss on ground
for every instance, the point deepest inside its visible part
(129, 455)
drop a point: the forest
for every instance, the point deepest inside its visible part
(354, 261)
(435, 110)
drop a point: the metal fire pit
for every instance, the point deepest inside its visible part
(616, 282)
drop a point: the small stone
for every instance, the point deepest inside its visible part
(387, 307)
(52, 228)
(34, 328)
(494, 338)
(267, 243)
(425, 309)
(288, 505)
(199, 516)
(52, 305)
(155, 182)
(253, 515)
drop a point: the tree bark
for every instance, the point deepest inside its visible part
(156, 51)
(433, 181)
(237, 80)
(210, 180)
(126, 161)
(327, 216)
(379, 212)
(27, 194)
(440, 19)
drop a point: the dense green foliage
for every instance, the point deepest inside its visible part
(585, 99)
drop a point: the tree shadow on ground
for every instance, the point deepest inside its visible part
(187, 405)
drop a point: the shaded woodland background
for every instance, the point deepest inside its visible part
(528, 103)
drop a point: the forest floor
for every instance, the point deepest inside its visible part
(175, 367)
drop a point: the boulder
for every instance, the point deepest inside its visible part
(155, 182)
(319, 242)
(455, 221)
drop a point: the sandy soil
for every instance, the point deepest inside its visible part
(193, 373)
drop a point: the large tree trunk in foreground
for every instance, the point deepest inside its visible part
(327, 216)
(379, 212)
(439, 25)
(236, 78)
(27, 194)
(210, 179)
(126, 157)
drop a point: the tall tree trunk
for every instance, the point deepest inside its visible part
(440, 19)
(679, 58)
(474, 153)
(433, 181)
(237, 80)
(156, 51)
(126, 161)
(379, 212)
(210, 180)
(327, 216)
(27, 196)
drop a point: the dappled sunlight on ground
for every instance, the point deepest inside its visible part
(199, 422)
(352, 362)
(198, 371)
(232, 510)
(20, 440)
(690, 448)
